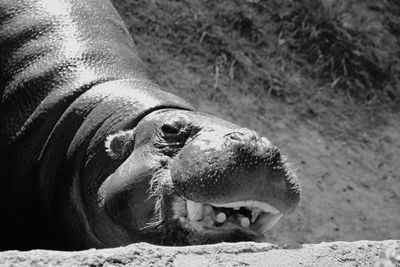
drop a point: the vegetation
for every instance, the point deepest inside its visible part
(350, 48)
(351, 45)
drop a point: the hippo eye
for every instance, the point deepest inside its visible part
(172, 138)
(170, 129)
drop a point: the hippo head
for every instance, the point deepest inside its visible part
(191, 178)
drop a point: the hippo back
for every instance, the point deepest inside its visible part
(52, 52)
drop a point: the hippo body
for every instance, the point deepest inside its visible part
(94, 154)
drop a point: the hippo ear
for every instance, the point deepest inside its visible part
(120, 145)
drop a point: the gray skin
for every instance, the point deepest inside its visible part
(94, 154)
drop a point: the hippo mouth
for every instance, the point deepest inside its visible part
(250, 219)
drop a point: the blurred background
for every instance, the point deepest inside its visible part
(319, 78)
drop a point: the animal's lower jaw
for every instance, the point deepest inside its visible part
(230, 222)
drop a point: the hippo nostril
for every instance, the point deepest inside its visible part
(244, 135)
(237, 136)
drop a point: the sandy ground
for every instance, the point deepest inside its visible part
(361, 253)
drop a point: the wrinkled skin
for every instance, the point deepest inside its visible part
(94, 153)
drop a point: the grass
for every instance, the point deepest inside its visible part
(348, 45)
(284, 49)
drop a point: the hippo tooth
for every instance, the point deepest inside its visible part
(245, 222)
(236, 208)
(195, 210)
(268, 220)
(254, 214)
(221, 217)
(207, 209)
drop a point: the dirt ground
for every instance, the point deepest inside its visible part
(347, 154)
(355, 254)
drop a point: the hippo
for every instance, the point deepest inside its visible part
(95, 154)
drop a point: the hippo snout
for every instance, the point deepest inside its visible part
(237, 166)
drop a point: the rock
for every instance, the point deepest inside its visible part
(360, 253)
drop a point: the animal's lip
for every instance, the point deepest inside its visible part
(251, 218)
